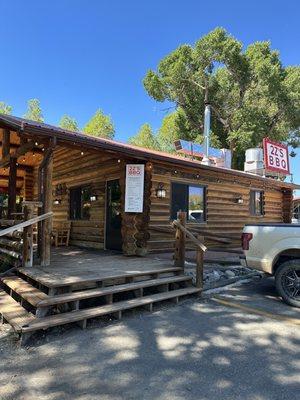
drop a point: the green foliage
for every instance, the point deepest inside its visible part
(100, 125)
(251, 94)
(145, 138)
(68, 123)
(169, 132)
(34, 111)
(4, 108)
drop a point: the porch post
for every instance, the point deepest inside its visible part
(45, 196)
(12, 187)
(5, 143)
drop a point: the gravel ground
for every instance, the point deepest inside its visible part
(195, 350)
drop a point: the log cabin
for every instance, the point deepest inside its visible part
(118, 200)
(82, 179)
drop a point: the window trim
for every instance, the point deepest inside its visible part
(204, 187)
(81, 187)
(252, 205)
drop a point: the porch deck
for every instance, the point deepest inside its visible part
(72, 266)
(80, 285)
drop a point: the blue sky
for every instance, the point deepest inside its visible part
(77, 56)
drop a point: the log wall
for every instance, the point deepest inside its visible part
(73, 169)
(223, 214)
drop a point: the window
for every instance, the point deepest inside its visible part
(188, 198)
(256, 202)
(296, 212)
(4, 205)
(80, 203)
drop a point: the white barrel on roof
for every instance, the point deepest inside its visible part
(253, 155)
(254, 162)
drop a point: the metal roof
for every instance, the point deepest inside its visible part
(41, 129)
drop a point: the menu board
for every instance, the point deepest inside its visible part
(134, 188)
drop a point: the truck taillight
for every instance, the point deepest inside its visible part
(246, 237)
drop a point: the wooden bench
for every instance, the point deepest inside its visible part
(61, 234)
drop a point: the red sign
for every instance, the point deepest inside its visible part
(276, 157)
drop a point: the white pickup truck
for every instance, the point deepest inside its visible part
(275, 249)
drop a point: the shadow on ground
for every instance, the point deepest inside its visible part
(197, 350)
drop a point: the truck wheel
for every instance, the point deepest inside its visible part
(287, 278)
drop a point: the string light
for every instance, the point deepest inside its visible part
(82, 153)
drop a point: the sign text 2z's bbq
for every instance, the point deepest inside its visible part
(276, 157)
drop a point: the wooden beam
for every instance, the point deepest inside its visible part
(18, 178)
(5, 143)
(18, 153)
(179, 225)
(199, 264)
(22, 225)
(12, 186)
(27, 254)
(45, 196)
(47, 224)
(14, 146)
(179, 256)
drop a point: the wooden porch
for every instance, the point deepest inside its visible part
(82, 284)
(73, 266)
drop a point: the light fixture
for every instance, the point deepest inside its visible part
(93, 197)
(36, 144)
(239, 199)
(82, 153)
(160, 191)
(119, 160)
(56, 202)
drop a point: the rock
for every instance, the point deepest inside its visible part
(214, 276)
(229, 274)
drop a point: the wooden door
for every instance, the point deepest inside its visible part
(113, 236)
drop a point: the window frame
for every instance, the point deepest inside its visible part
(252, 203)
(187, 185)
(79, 188)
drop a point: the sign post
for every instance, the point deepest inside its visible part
(276, 157)
(134, 188)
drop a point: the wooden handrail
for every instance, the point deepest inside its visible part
(24, 224)
(177, 224)
(215, 238)
(180, 247)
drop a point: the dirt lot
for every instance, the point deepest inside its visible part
(197, 350)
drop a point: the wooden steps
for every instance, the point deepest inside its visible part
(29, 309)
(27, 292)
(83, 315)
(47, 280)
(13, 312)
(109, 290)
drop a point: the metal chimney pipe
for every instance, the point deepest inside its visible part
(206, 132)
(206, 129)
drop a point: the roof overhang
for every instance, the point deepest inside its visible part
(24, 126)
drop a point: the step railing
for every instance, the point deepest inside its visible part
(196, 237)
(181, 233)
(26, 254)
